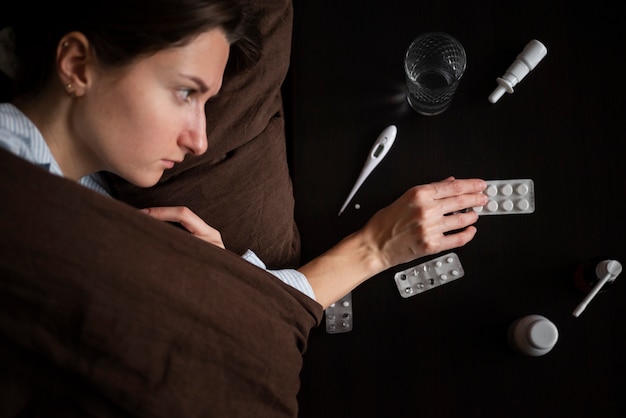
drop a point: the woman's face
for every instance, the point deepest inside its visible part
(141, 120)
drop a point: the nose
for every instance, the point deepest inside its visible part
(194, 138)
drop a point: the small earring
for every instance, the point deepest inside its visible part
(68, 87)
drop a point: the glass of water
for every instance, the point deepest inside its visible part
(433, 64)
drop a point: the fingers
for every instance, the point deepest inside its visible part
(443, 212)
(437, 242)
(458, 239)
(448, 196)
(179, 214)
(188, 220)
(454, 187)
(466, 201)
(457, 221)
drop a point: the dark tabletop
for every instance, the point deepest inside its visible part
(444, 353)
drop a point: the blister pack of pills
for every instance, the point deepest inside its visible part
(507, 197)
(428, 275)
(339, 315)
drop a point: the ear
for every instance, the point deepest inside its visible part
(74, 58)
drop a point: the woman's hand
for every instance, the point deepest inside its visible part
(188, 220)
(425, 220)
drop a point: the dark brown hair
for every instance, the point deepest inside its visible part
(122, 30)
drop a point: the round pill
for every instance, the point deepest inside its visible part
(345, 303)
(478, 209)
(492, 206)
(522, 189)
(506, 190)
(491, 191)
(449, 259)
(443, 277)
(438, 263)
(455, 272)
(507, 205)
(523, 204)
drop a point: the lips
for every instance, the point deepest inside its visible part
(169, 163)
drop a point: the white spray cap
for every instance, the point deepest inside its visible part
(526, 61)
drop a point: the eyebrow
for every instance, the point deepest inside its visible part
(201, 85)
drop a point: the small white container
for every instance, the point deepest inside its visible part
(533, 335)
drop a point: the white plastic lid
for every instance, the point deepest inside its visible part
(542, 334)
(533, 335)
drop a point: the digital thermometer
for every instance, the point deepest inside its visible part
(380, 148)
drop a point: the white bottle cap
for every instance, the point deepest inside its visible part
(533, 335)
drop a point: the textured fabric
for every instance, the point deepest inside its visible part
(20, 136)
(241, 185)
(106, 312)
(292, 277)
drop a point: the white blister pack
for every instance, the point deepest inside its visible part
(507, 197)
(339, 315)
(432, 273)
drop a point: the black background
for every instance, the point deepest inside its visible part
(444, 353)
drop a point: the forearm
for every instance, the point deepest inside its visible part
(339, 270)
(415, 225)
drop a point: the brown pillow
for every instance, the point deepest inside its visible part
(105, 311)
(241, 185)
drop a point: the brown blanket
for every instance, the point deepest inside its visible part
(107, 312)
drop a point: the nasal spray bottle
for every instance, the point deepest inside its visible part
(526, 61)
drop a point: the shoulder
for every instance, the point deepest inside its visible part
(21, 137)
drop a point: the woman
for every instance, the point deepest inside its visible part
(120, 86)
(122, 89)
(126, 96)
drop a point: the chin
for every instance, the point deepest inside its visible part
(148, 183)
(144, 182)
(140, 178)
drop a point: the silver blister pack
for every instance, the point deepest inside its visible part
(428, 275)
(339, 315)
(507, 197)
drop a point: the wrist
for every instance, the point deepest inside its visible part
(342, 268)
(366, 253)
